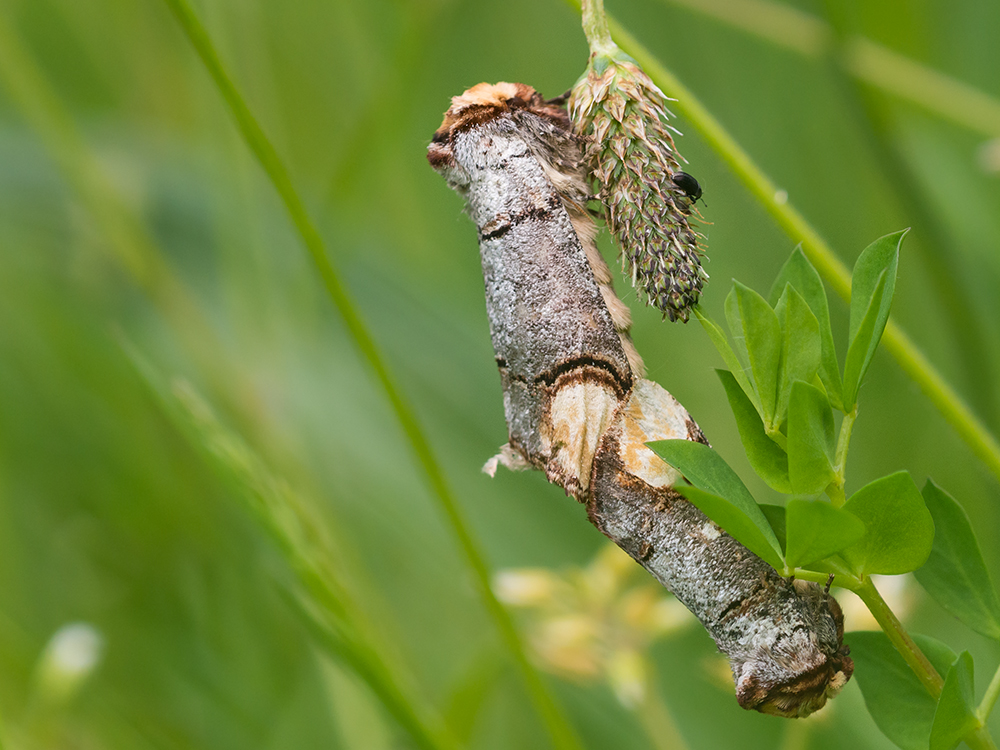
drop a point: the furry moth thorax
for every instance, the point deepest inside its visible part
(516, 112)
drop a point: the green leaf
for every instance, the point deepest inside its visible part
(754, 534)
(862, 348)
(775, 515)
(872, 286)
(955, 574)
(880, 257)
(757, 335)
(799, 272)
(833, 564)
(810, 440)
(736, 367)
(899, 531)
(800, 346)
(720, 494)
(815, 530)
(469, 696)
(956, 714)
(900, 705)
(766, 457)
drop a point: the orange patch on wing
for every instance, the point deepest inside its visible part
(651, 414)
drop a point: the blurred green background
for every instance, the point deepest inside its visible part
(135, 226)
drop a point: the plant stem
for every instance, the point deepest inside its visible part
(595, 28)
(775, 434)
(934, 244)
(366, 663)
(897, 634)
(836, 488)
(990, 698)
(950, 99)
(562, 734)
(129, 246)
(658, 721)
(796, 735)
(835, 491)
(909, 357)
(294, 526)
(980, 739)
(843, 580)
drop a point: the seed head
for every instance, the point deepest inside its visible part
(632, 157)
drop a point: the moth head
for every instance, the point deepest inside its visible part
(801, 672)
(481, 104)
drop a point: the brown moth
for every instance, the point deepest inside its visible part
(578, 408)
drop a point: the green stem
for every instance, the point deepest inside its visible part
(948, 98)
(909, 357)
(933, 242)
(128, 244)
(797, 735)
(836, 489)
(562, 733)
(358, 655)
(990, 698)
(843, 580)
(595, 28)
(293, 525)
(775, 434)
(980, 739)
(658, 721)
(899, 638)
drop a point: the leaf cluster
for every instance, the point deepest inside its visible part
(787, 390)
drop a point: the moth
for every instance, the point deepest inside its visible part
(579, 409)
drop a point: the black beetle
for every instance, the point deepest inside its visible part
(688, 184)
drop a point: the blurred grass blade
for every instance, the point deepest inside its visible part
(558, 726)
(288, 520)
(131, 246)
(949, 98)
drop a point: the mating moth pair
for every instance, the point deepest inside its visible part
(579, 409)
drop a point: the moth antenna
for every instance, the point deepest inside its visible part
(561, 99)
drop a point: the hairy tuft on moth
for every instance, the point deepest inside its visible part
(578, 408)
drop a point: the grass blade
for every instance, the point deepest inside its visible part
(323, 601)
(559, 728)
